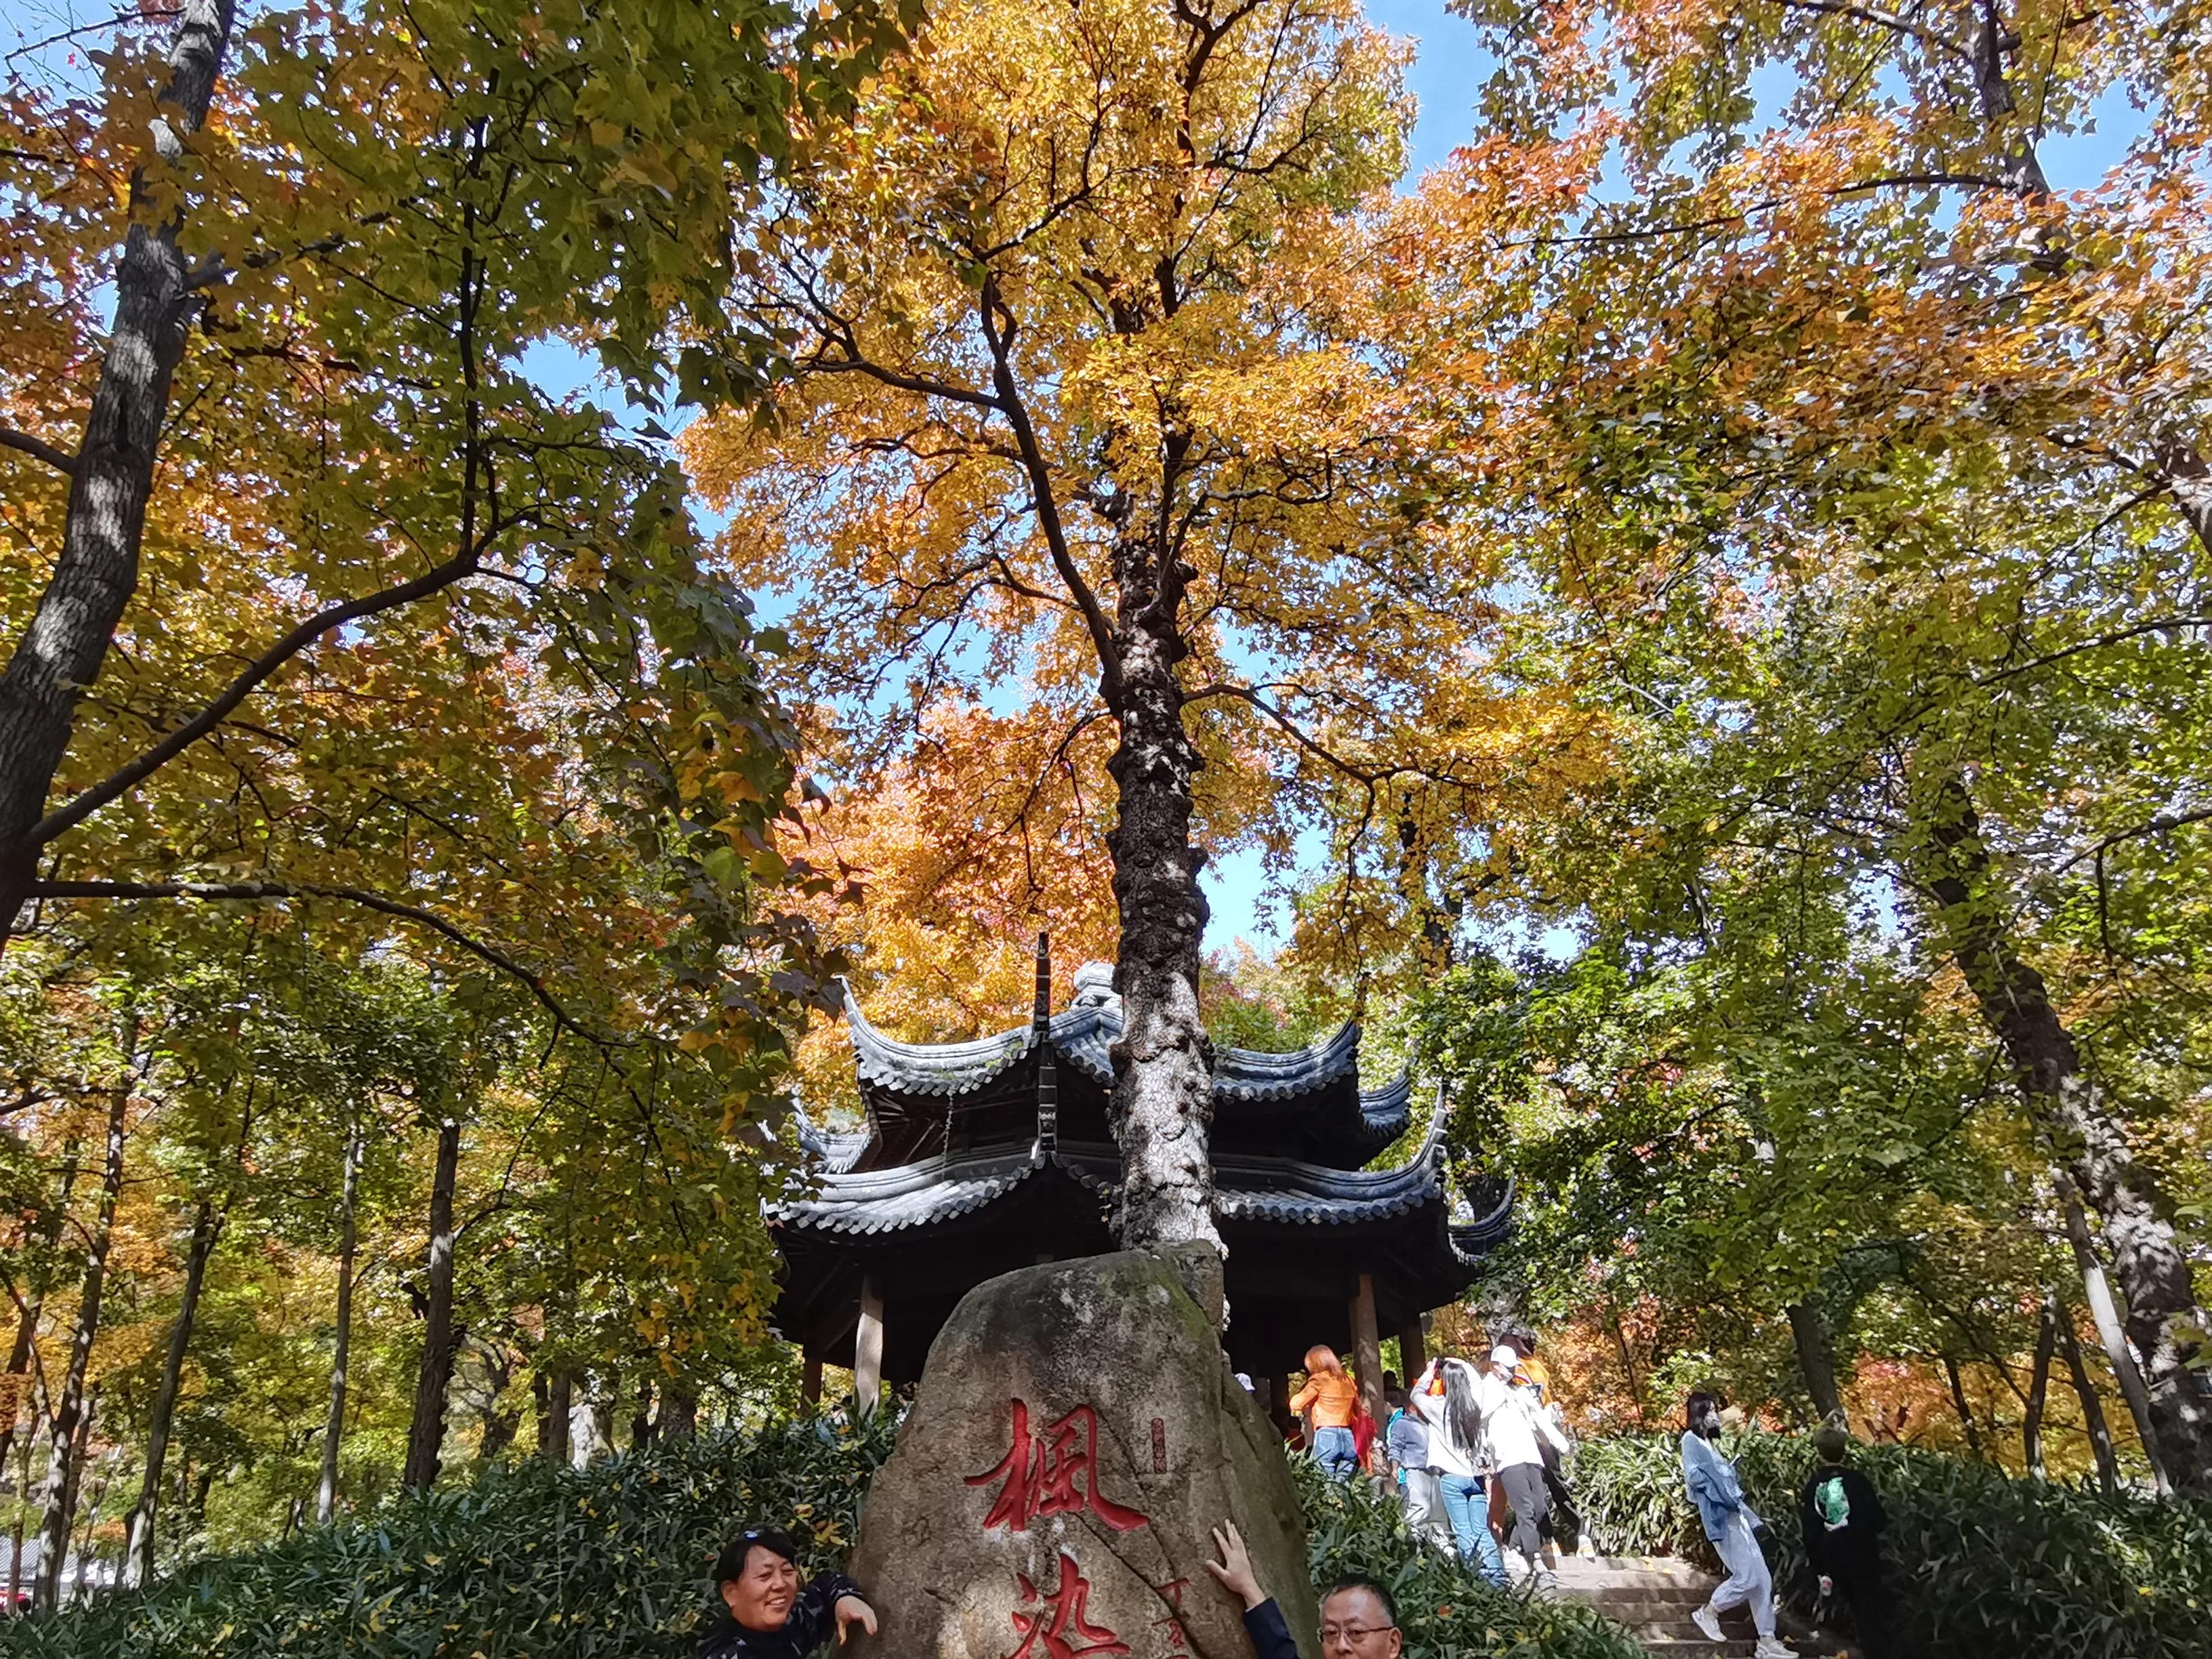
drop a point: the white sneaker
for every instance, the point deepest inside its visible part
(1771, 1647)
(1709, 1622)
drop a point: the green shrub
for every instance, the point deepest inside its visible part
(1981, 1563)
(529, 1563)
(538, 1563)
(1445, 1611)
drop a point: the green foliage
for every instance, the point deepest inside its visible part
(532, 1562)
(1444, 1610)
(1983, 1564)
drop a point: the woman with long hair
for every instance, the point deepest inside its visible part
(1448, 1396)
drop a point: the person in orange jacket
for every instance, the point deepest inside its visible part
(1333, 1398)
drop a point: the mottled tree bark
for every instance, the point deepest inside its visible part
(1816, 1361)
(69, 1415)
(2090, 1139)
(138, 1536)
(553, 1427)
(426, 1432)
(326, 1489)
(112, 475)
(1163, 1103)
(679, 1416)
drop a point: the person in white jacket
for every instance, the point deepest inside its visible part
(1516, 1420)
(1448, 1395)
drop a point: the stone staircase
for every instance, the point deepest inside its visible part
(1653, 1595)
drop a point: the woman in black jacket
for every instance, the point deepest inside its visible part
(769, 1614)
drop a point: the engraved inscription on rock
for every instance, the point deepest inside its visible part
(1077, 1435)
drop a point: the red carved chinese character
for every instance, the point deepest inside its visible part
(1060, 1628)
(1171, 1593)
(1054, 1473)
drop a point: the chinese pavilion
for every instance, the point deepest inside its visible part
(982, 1157)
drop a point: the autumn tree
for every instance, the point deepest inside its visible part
(1870, 490)
(1073, 422)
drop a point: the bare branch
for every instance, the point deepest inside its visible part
(125, 778)
(60, 460)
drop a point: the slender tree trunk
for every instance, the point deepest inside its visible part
(500, 1424)
(426, 1433)
(47, 1233)
(2092, 1408)
(92, 1504)
(22, 1519)
(1163, 1103)
(97, 567)
(138, 1538)
(641, 1419)
(1628, 1356)
(2092, 1142)
(69, 1414)
(560, 1404)
(1816, 1361)
(1958, 1404)
(2111, 1333)
(2039, 1388)
(326, 1489)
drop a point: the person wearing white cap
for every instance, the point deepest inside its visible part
(1514, 1419)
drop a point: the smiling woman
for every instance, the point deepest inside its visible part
(770, 1614)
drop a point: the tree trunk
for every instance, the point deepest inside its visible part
(2092, 1142)
(326, 1489)
(2038, 1389)
(47, 1235)
(1966, 1412)
(138, 1537)
(2111, 1333)
(97, 570)
(69, 1413)
(553, 1427)
(1816, 1361)
(426, 1433)
(2093, 1409)
(22, 1517)
(641, 1419)
(500, 1425)
(679, 1416)
(1163, 1104)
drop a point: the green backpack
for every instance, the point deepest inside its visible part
(1834, 1506)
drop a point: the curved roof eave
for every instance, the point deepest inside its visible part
(929, 1068)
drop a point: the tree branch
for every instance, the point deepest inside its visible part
(125, 778)
(1009, 402)
(250, 891)
(2156, 625)
(60, 460)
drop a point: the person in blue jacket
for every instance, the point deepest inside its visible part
(1357, 1617)
(1732, 1525)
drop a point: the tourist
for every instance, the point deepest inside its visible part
(769, 1612)
(1357, 1616)
(1520, 1428)
(1334, 1400)
(1843, 1521)
(1449, 1396)
(1406, 1442)
(1732, 1526)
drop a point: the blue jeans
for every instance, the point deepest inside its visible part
(1337, 1452)
(1466, 1505)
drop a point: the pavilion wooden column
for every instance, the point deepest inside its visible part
(1413, 1351)
(868, 1349)
(1367, 1349)
(810, 1380)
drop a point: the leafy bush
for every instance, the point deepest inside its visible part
(1981, 1563)
(532, 1562)
(1445, 1611)
(539, 1562)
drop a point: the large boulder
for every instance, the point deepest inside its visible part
(1078, 1435)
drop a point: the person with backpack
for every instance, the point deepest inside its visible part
(1843, 1519)
(1732, 1525)
(1520, 1430)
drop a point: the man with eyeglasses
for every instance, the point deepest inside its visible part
(770, 1614)
(1357, 1615)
